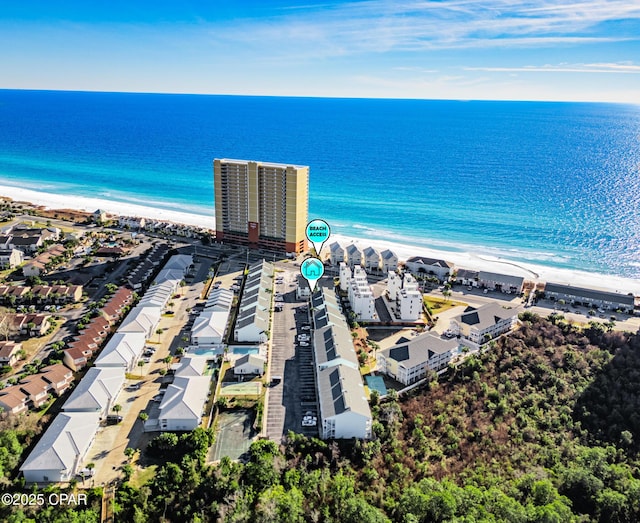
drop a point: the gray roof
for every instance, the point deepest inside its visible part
(592, 294)
(433, 262)
(486, 316)
(65, 442)
(339, 381)
(468, 274)
(185, 398)
(515, 281)
(96, 391)
(418, 350)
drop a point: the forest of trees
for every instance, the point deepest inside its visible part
(543, 427)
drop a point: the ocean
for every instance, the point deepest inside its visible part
(555, 184)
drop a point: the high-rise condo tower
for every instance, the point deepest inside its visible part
(261, 204)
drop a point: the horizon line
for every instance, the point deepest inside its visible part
(331, 97)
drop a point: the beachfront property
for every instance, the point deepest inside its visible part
(590, 297)
(409, 359)
(344, 409)
(133, 223)
(96, 392)
(467, 277)
(420, 265)
(261, 204)
(252, 322)
(354, 255)
(371, 259)
(10, 258)
(359, 292)
(337, 254)
(404, 292)
(500, 282)
(388, 261)
(62, 448)
(481, 324)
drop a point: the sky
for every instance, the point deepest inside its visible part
(460, 49)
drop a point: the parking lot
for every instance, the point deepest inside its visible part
(291, 359)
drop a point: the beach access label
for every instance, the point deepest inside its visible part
(312, 269)
(318, 232)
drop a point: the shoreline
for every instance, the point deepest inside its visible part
(467, 260)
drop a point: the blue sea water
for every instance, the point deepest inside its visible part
(556, 184)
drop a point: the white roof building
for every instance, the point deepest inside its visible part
(182, 405)
(96, 392)
(249, 364)
(122, 351)
(143, 318)
(192, 365)
(209, 327)
(62, 448)
(361, 296)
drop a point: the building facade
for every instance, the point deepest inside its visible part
(261, 204)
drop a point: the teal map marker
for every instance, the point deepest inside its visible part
(318, 232)
(312, 270)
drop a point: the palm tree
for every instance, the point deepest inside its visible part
(143, 416)
(116, 408)
(141, 364)
(168, 359)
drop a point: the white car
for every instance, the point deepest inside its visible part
(304, 344)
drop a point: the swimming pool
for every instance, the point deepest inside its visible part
(246, 350)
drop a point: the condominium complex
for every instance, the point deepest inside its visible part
(261, 204)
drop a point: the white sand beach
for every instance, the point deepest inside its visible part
(530, 271)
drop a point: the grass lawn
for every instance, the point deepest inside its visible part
(439, 305)
(143, 475)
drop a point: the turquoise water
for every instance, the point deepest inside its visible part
(206, 352)
(556, 184)
(245, 350)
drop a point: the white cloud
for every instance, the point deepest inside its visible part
(607, 68)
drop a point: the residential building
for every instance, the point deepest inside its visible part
(420, 265)
(500, 282)
(261, 204)
(58, 377)
(59, 454)
(96, 392)
(31, 324)
(361, 296)
(467, 277)
(388, 261)
(252, 322)
(9, 352)
(337, 254)
(210, 326)
(303, 291)
(371, 259)
(122, 351)
(343, 408)
(485, 322)
(182, 405)
(10, 258)
(13, 400)
(409, 360)
(249, 364)
(590, 297)
(354, 255)
(404, 292)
